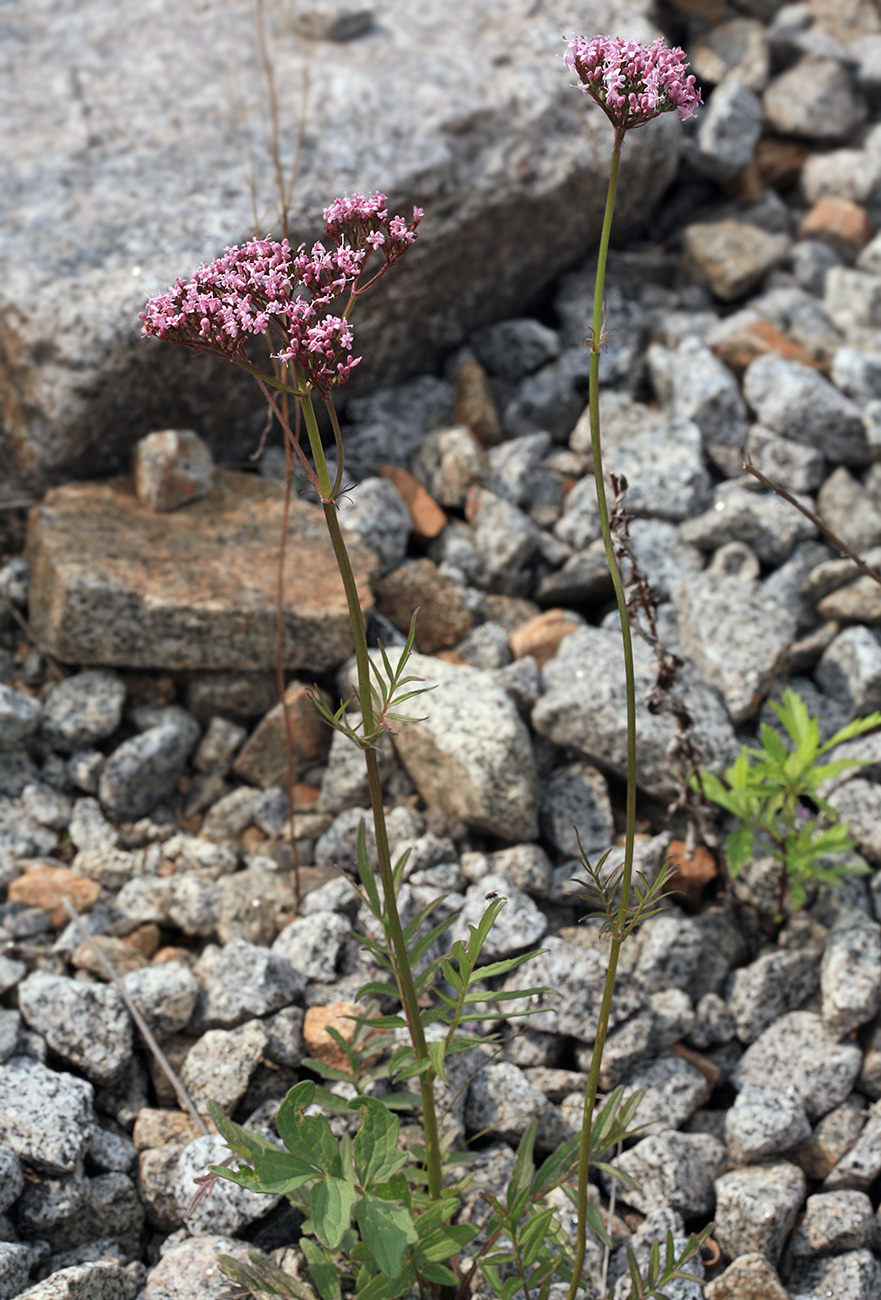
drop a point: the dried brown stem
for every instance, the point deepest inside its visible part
(847, 551)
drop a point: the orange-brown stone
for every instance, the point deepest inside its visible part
(757, 339)
(541, 636)
(333, 1015)
(45, 886)
(156, 1127)
(779, 162)
(840, 222)
(474, 404)
(427, 519)
(691, 874)
(145, 939)
(122, 957)
(262, 760)
(443, 617)
(114, 583)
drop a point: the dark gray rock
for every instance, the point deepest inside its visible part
(854, 1275)
(728, 131)
(375, 510)
(575, 804)
(16, 1261)
(502, 1101)
(142, 772)
(515, 348)
(20, 716)
(11, 1178)
(86, 1024)
(248, 981)
(110, 1152)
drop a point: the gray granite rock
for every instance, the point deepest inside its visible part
(833, 1137)
(850, 669)
(513, 465)
(736, 632)
(88, 1025)
(833, 1222)
(855, 1275)
(592, 721)
(424, 106)
(859, 1163)
(740, 513)
(20, 716)
(142, 772)
(218, 746)
(577, 974)
(575, 804)
(850, 509)
(46, 1117)
(756, 1207)
(227, 1207)
(16, 1262)
(514, 348)
(247, 981)
(706, 392)
(799, 1052)
(764, 1122)
(520, 923)
(376, 511)
(219, 1066)
(471, 755)
(312, 945)
(502, 1101)
(728, 131)
(548, 401)
(46, 806)
(811, 260)
(82, 709)
(798, 403)
(662, 555)
(857, 372)
(789, 463)
(111, 1152)
(165, 995)
(89, 828)
(852, 300)
(814, 100)
(858, 804)
(769, 987)
(672, 1088)
(505, 540)
(11, 1178)
(172, 467)
(672, 1169)
(850, 974)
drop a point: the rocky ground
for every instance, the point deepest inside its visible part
(156, 800)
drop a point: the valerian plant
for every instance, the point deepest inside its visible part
(380, 1208)
(773, 789)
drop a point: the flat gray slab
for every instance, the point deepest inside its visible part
(125, 164)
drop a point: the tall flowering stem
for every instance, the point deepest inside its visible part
(301, 302)
(632, 83)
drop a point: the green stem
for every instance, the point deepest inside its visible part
(590, 1093)
(404, 974)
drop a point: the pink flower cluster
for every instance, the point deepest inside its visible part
(263, 287)
(632, 82)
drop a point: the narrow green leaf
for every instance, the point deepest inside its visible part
(365, 871)
(446, 1241)
(324, 1275)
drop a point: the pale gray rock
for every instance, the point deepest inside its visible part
(713, 1022)
(740, 513)
(502, 1100)
(852, 299)
(857, 372)
(82, 710)
(142, 772)
(855, 1275)
(219, 746)
(850, 975)
(756, 1208)
(16, 1262)
(192, 903)
(577, 974)
(219, 1066)
(858, 804)
(97, 1279)
(20, 716)
(471, 755)
(769, 987)
(729, 130)
(505, 540)
(312, 944)
(764, 1122)
(487, 646)
(789, 463)
(88, 1025)
(849, 173)
(513, 466)
(46, 1116)
(519, 925)
(669, 951)
(345, 782)
(814, 100)
(796, 402)
(736, 632)
(592, 721)
(172, 467)
(811, 259)
(850, 508)
(188, 1268)
(89, 828)
(84, 769)
(850, 670)
(860, 1161)
(249, 981)
(661, 554)
(227, 1207)
(165, 995)
(285, 1044)
(672, 1169)
(800, 1053)
(20, 835)
(375, 510)
(575, 804)
(448, 463)
(46, 806)
(868, 72)
(579, 525)
(833, 1222)
(231, 814)
(673, 1089)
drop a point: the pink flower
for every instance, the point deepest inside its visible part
(263, 287)
(631, 82)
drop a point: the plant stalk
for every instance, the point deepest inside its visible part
(404, 974)
(590, 1092)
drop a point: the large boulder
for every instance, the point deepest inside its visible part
(125, 161)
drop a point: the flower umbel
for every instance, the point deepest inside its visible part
(264, 287)
(632, 82)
